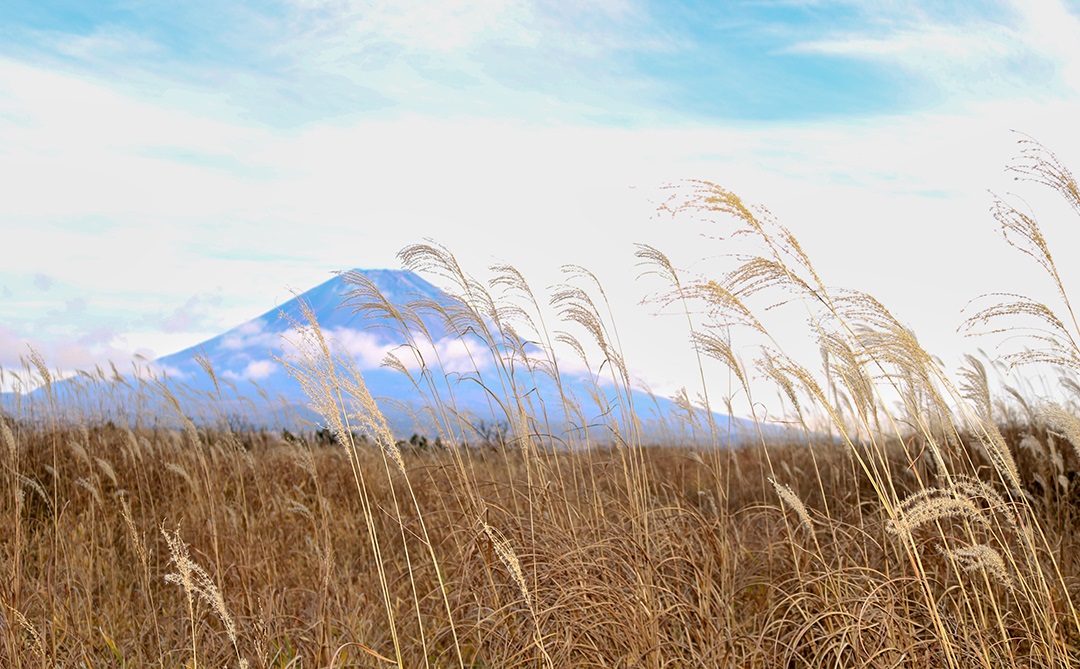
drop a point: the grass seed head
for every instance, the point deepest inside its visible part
(792, 500)
(509, 559)
(10, 444)
(195, 581)
(930, 505)
(985, 558)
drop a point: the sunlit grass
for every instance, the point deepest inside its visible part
(919, 518)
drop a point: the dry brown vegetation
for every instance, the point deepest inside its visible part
(921, 520)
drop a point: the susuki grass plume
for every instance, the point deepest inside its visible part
(791, 499)
(985, 558)
(198, 585)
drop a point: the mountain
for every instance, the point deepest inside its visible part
(248, 351)
(247, 357)
(474, 378)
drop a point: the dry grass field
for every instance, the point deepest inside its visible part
(920, 520)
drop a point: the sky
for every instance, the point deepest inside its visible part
(171, 170)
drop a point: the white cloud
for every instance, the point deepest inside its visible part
(362, 35)
(459, 356)
(365, 346)
(72, 147)
(104, 41)
(1051, 29)
(255, 370)
(250, 334)
(1034, 47)
(455, 355)
(260, 369)
(156, 371)
(934, 42)
(442, 26)
(66, 355)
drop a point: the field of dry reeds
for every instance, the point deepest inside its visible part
(917, 518)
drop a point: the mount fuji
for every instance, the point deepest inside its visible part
(248, 358)
(480, 384)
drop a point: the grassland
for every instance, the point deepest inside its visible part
(919, 520)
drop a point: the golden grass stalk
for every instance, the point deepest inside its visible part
(794, 503)
(981, 557)
(37, 644)
(1059, 419)
(509, 558)
(10, 444)
(933, 504)
(338, 393)
(198, 584)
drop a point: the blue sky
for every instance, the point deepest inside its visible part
(172, 169)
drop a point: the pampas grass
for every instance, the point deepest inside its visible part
(944, 505)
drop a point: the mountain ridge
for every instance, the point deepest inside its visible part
(465, 370)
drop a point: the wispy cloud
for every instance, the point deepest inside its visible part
(250, 334)
(305, 61)
(42, 281)
(445, 26)
(66, 353)
(1014, 46)
(366, 347)
(103, 43)
(454, 355)
(198, 312)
